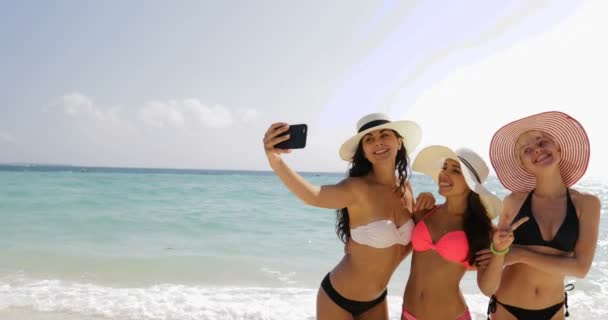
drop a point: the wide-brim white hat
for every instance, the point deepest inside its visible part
(409, 130)
(475, 171)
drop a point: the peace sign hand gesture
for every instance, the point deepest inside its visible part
(502, 237)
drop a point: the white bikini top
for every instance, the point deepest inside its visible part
(383, 233)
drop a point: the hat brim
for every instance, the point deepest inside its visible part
(429, 161)
(409, 130)
(569, 135)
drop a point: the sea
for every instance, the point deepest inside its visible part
(86, 243)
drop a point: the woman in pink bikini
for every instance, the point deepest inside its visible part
(374, 207)
(447, 237)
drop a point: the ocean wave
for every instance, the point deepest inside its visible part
(166, 301)
(285, 277)
(172, 301)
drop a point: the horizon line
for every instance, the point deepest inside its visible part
(63, 165)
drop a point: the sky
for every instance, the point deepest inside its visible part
(195, 84)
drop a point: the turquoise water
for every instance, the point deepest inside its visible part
(168, 244)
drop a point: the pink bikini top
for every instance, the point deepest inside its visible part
(383, 233)
(452, 246)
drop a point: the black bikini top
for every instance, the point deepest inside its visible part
(529, 232)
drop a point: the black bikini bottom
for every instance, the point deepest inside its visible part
(527, 314)
(354, 307)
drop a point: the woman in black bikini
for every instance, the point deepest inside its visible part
(539, 158)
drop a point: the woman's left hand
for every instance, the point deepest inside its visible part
(424, 201)
(502, 237)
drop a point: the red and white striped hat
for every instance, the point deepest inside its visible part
(569, 135)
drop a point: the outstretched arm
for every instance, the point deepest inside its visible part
(329, 196)
(579, 263)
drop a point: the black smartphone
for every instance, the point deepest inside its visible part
(297, 137)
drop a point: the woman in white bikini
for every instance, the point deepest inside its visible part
(374, 203)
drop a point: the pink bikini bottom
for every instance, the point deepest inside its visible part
(465, 316)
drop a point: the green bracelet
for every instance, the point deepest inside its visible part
(496, 252)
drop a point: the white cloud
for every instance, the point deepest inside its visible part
(7, 137)
(247, 115)
(77, 103)
(563, 69)
(162, 114)
(191, 111)
(160, 133)
(213, 117)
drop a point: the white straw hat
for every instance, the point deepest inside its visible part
(475, 171)
(409, 130)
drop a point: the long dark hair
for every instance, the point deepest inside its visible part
(360, 167)
(477, 226)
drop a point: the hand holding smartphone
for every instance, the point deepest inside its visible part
(297, 137)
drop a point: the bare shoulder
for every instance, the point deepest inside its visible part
(354, 184)
(511, 205)
(515, 199)
(350, 182)
(585, 202)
